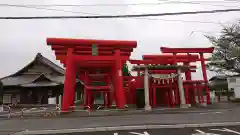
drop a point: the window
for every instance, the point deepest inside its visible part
(232, 80)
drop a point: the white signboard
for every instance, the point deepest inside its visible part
(237, 92)
(164, 76)
(135, 133)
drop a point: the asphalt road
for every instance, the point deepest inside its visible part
(232, 130)
(227, 130)
(17, 125)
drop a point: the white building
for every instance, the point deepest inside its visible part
(234, 84)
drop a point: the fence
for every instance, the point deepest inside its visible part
(7, 112)
(51, 111)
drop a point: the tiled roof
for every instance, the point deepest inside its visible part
(222, 77)
(40, 84)
(19, 79)
(44, 61)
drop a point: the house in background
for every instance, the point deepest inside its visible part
(40, 80)
(234, 84)
(218, 82)
(219, 87)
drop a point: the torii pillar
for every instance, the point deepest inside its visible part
(204, 72)
(70, 81)
(181, 90)
(146, 90)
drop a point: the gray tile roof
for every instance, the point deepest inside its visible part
(44, 61)
(40, 84)
(220, 77)
(19, 79)
(50, 63)
(57, 79)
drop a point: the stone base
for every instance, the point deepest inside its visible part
(184, 106)
(147, 108)
(204, 104)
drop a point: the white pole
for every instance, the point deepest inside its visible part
(181, 90)
(60, 101)
(146, 90)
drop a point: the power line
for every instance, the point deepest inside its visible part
(69, 11)
(52, 9)
(187, 21)
(125, 16)
(129, 4)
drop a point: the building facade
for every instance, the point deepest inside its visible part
(40, 80)
(234, 84)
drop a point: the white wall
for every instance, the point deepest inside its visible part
(234, 82)
(237, 92)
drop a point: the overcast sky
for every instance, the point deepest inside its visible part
(20, 40)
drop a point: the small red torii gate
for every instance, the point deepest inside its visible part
(178, 58)
(183, 58)
(86, 55)
(164, 59)
(200, 51)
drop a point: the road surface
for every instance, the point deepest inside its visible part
(16, 125)
(231, 130)
(223, 130)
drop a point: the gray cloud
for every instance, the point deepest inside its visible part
(22, 39)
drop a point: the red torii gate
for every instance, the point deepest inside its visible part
(165, 59)
(183, 58)
(199, 51)
(87, 55)
(168, 59)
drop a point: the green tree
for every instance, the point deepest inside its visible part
(125, 70)
(226, 55)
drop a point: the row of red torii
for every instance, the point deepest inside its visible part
(102, 60)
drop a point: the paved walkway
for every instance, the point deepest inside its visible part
(40, 112)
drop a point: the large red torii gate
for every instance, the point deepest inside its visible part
(87, 54)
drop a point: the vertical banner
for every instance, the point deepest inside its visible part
(60, 101)
(120, 72)
(94, 50)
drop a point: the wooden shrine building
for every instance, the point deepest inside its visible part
(34, 83)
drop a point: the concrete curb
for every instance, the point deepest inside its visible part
(137, 127)
(116, 114)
